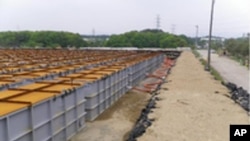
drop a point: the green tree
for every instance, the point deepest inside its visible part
(147, 38)
(40, 38)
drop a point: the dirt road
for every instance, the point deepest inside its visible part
(194, 108)
(230, 70)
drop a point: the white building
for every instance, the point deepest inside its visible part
(205, 40)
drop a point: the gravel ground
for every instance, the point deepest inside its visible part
(195, 107)
(230, 70)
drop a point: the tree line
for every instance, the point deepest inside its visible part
(148, 38)
(40, 39)
(238, 48)
(141, 39)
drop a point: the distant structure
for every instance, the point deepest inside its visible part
(95, 37)
(205, 40)
(173, 29)
(214, 38)
(158, 22)
(93, 32)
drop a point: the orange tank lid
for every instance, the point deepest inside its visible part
(6, 107)
(33, 97)
(33, 86)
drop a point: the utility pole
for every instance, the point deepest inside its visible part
(249, 45)
(249, 39)
(210, 36)
(196, 36)
(93, 37)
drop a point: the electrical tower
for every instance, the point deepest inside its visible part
(173, 28)
(158, 22)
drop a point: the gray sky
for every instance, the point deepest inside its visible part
(231, 18)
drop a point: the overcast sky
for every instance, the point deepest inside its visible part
(231, 17)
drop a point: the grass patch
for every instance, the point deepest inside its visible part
(214, 72)
(196, 53)
(216, 75)
(241, 60)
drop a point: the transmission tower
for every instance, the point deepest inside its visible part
(173, 28)
(158, 22)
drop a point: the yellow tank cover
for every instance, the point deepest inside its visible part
(95, 76)
(112, 69)
(28, 66)
(58, 87)
(98, 68)
(40, 73)
(12, 68)
(6, 107)
(115, 67)
(121, 64)
(69, 68)
(78, 65)
(103, 72)
(33, 86)
(33, 97)
(25, 76)
(56, 80)
(56, 70)
(80, 81)
(6, 76)
(21, 73)
(95, 69)
(69, 80)
(13, 79)
(8, 93)
(74, 75)
(86, 71)
(63, 78)
(87, 79)
(39, 70)
(4, 82)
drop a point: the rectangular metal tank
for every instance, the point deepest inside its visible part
(42, 116)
